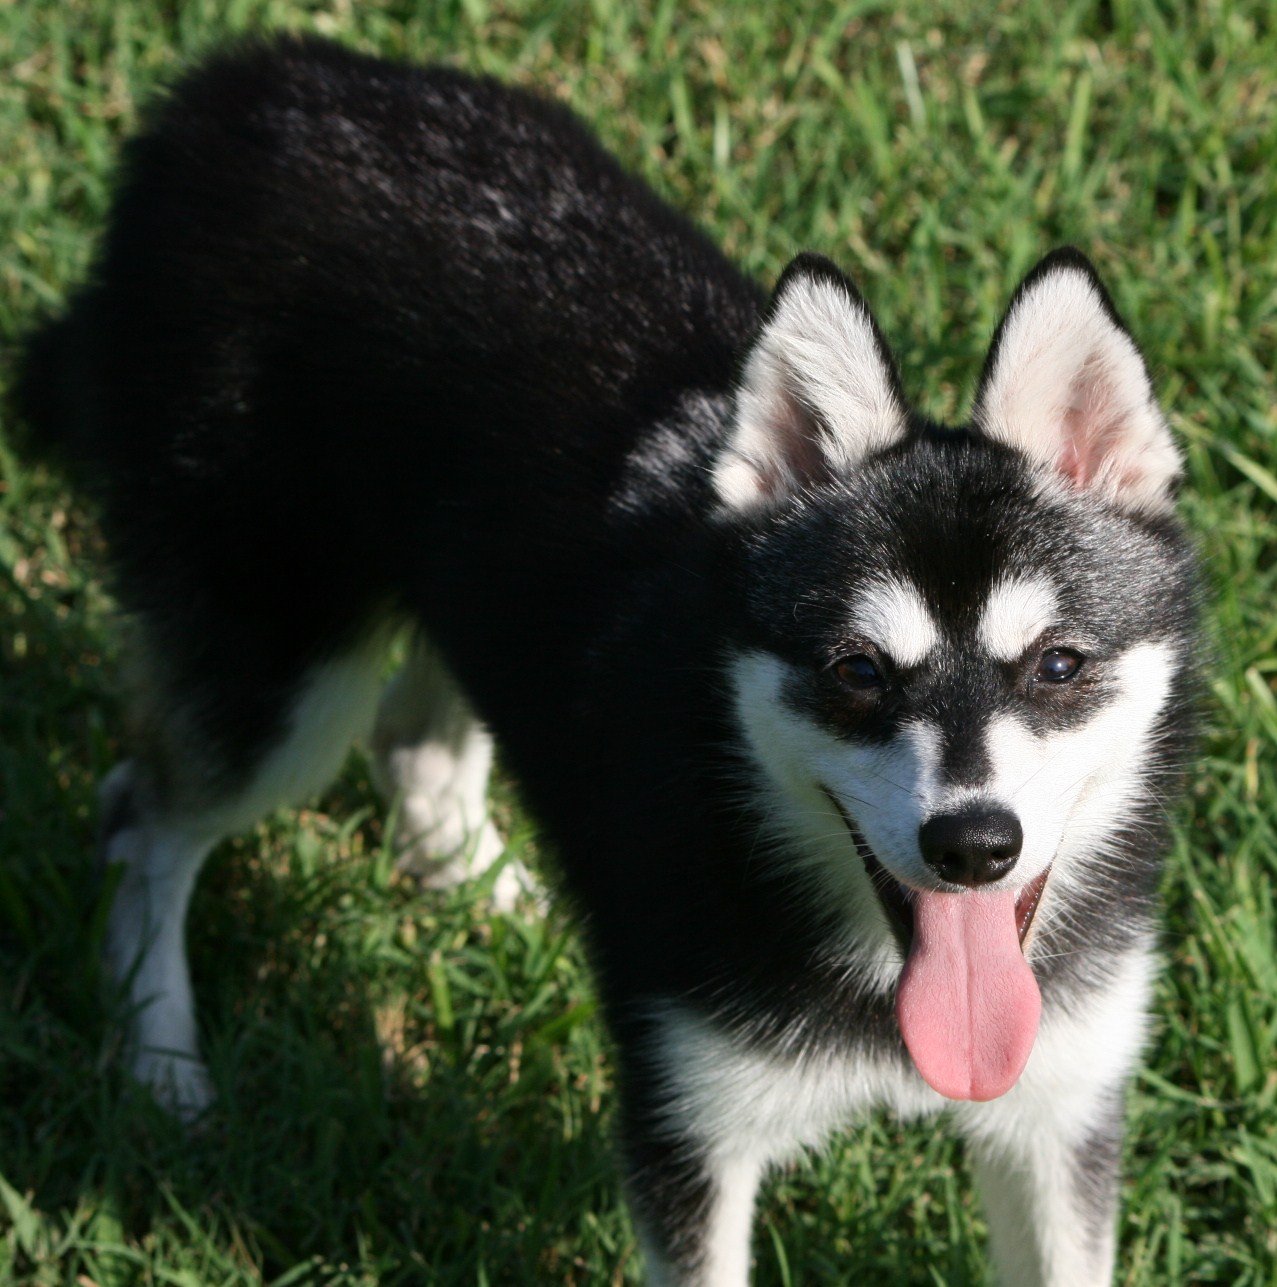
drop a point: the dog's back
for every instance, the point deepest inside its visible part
(365, 338)
(375, 306)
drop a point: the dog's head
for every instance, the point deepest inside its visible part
(963, 648)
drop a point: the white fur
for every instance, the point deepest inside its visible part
(815, 386)
(750, 1109)
(429, 742)
(793, 757)
(744, 1102)
(729, 1225)
(1068, 388)
(1016, 613)
(146, 952)
(1026, 1144)
(335, 706)
(162, 854)
(1070, 789)
(727, 1256)
(434, 756)
(892, 614)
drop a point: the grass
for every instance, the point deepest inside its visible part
(415, 1093)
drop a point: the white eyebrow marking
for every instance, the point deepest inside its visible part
(1017, 611)
(892, 614)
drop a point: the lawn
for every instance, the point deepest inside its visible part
(415, 1092)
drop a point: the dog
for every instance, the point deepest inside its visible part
(851, 733)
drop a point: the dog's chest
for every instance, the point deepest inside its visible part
(767, 1106)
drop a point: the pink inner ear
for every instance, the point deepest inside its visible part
(1094, 427)
(797, 433)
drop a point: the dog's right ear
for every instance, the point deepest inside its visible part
(819, 391)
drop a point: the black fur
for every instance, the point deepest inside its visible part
(368, 339)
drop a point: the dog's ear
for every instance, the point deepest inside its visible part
(818, 391)
(1065, 384)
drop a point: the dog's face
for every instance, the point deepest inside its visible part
(960, 646)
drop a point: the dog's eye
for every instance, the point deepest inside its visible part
(858, 671)
(1057, 665)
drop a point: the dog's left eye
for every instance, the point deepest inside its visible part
(858, 671)
(1057, 665)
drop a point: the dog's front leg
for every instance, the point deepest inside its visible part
(1047, 1152)
(1050, 1189)
(695, 1137)
(693, 1211)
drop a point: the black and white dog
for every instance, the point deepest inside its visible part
(851, 732)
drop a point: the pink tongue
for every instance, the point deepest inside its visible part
(968, 1004)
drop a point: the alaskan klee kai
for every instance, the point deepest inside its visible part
(851, 732)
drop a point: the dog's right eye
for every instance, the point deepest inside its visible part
(858, 671)
(1059, 665)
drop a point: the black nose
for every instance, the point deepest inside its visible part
(974, 847)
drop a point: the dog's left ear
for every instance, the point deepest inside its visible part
(1065, 384)
(818, 392)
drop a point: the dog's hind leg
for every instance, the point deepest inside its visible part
(433, 755)
(160, 855)
(189, 786)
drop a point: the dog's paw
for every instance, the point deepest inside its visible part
(443, 857)
(516, 886)
(180, 1084)
(434, 834)
(437, 847)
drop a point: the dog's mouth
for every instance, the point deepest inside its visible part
(967, 1001)
(898, 900)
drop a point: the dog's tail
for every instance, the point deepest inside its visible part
(47, 394)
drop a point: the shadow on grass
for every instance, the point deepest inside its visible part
(353, 1126)
(349, 1127)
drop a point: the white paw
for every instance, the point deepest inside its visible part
(180, 1084)
(435, 845)
(441, 854)
(514, 885)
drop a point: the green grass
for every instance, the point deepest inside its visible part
(412, 1092)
